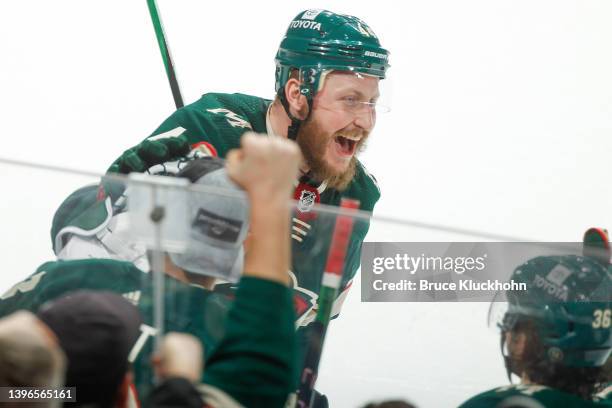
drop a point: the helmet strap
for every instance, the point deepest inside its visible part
(294, 127)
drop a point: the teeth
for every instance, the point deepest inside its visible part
(354, 138)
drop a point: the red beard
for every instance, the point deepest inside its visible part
(314, 142)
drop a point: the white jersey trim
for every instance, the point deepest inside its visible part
(176, 132)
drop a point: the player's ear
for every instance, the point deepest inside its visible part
(298, 105)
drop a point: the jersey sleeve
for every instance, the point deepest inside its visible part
(528, 395)
(213, 124)
(201, 123)
(485, 400)
(22, 295)
(255, 362)
(54, 279)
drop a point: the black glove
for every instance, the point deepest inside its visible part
(141, 157)
(149, 153)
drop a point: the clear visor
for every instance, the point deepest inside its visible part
(562, 312)
(498, 318)
(347, 91)
(497, 312)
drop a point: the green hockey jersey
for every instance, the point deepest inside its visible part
(215, 123)
(532, 395)
(188, 308)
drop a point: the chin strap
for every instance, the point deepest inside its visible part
(294, 127)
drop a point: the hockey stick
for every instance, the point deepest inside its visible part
(165, 53)
(330, 284)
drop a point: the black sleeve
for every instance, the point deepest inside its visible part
(174, 392)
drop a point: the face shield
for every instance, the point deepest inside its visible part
(346, 91)
(507, 310)
(497, 319)
(502, 320)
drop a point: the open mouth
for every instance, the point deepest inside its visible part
(345, 146)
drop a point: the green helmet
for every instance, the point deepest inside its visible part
(569, 301)
(319, 40)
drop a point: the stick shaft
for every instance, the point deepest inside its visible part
(165, 53)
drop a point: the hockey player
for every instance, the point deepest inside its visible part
(328, 68)
(556, 336)
(189, 306)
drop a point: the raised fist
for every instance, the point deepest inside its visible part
(266, 167)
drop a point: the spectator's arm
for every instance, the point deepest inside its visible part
(256, 361)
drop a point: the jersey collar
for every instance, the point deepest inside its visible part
(269, 129)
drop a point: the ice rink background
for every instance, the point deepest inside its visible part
(501, 122)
